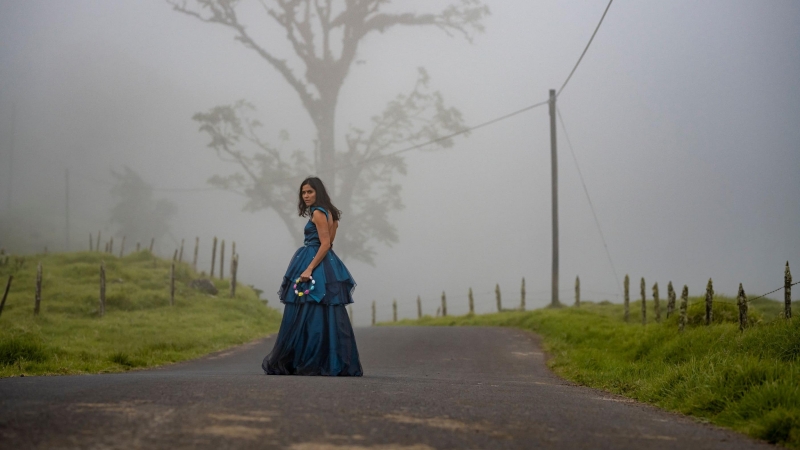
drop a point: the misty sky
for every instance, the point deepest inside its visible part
(684, 117)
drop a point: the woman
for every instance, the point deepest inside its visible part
(315, 336)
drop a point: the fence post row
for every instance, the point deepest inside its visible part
(709, 297)
(627, 285)
(741, 301)
(444, 304)
(644, 305)
(684, 306)
(656, 303)
(787, 292)
(472, 302)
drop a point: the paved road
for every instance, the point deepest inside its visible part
(424, 388)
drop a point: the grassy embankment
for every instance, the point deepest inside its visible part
(139, 328)
(746, 381)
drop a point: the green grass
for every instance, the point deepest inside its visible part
(746, 381)
(139, 329)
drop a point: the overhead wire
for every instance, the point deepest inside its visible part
(585, 49)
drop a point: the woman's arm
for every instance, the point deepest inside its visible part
(321, 222)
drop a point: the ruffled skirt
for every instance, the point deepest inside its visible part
(315, 337)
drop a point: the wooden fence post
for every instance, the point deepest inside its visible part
(213, 257)
(709, 297)
(373, 313)
(5, 294)
(97, 245)
(175, 255)
(684, 307)
(138, 247)
(102, 288)
(234, 269)
(105, 248)
(419, 308)
(180, 254)
(499, 297)
(741, 301)
(627, 285)
(657, 303)
(111, 245)
(122, 247)
(644, 305)
(172, 284)
(444, 304)
(38, 298)
(152, 241)
(670, 299)
(394, 310)
(233, 248)
(222, 260)
(522, 296)
(91, 242)
(471, 302)
(196, 247)
(578, 291)
(787, 292)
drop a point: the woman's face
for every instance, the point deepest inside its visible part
(309, 194)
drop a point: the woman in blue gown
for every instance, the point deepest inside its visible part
(315, 337)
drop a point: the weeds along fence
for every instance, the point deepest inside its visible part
(672, 306)
(16, 262)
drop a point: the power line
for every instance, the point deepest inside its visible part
(586, 191)
(585, 49)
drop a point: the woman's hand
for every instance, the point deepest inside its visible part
(306, 275)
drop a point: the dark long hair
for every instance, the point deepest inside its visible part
(323, 199)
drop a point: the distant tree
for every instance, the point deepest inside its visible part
(136, 213)
(325, 35)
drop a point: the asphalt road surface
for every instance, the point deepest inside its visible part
(423, 388)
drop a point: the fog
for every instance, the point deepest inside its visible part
(684, 118)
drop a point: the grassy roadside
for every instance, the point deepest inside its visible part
(139, 329)
(746, 381)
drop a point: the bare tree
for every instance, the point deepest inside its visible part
(325, 35)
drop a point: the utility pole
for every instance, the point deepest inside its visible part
(554, 177)
(66, 207)
(11, 157)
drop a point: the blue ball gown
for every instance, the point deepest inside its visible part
(315, 337)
